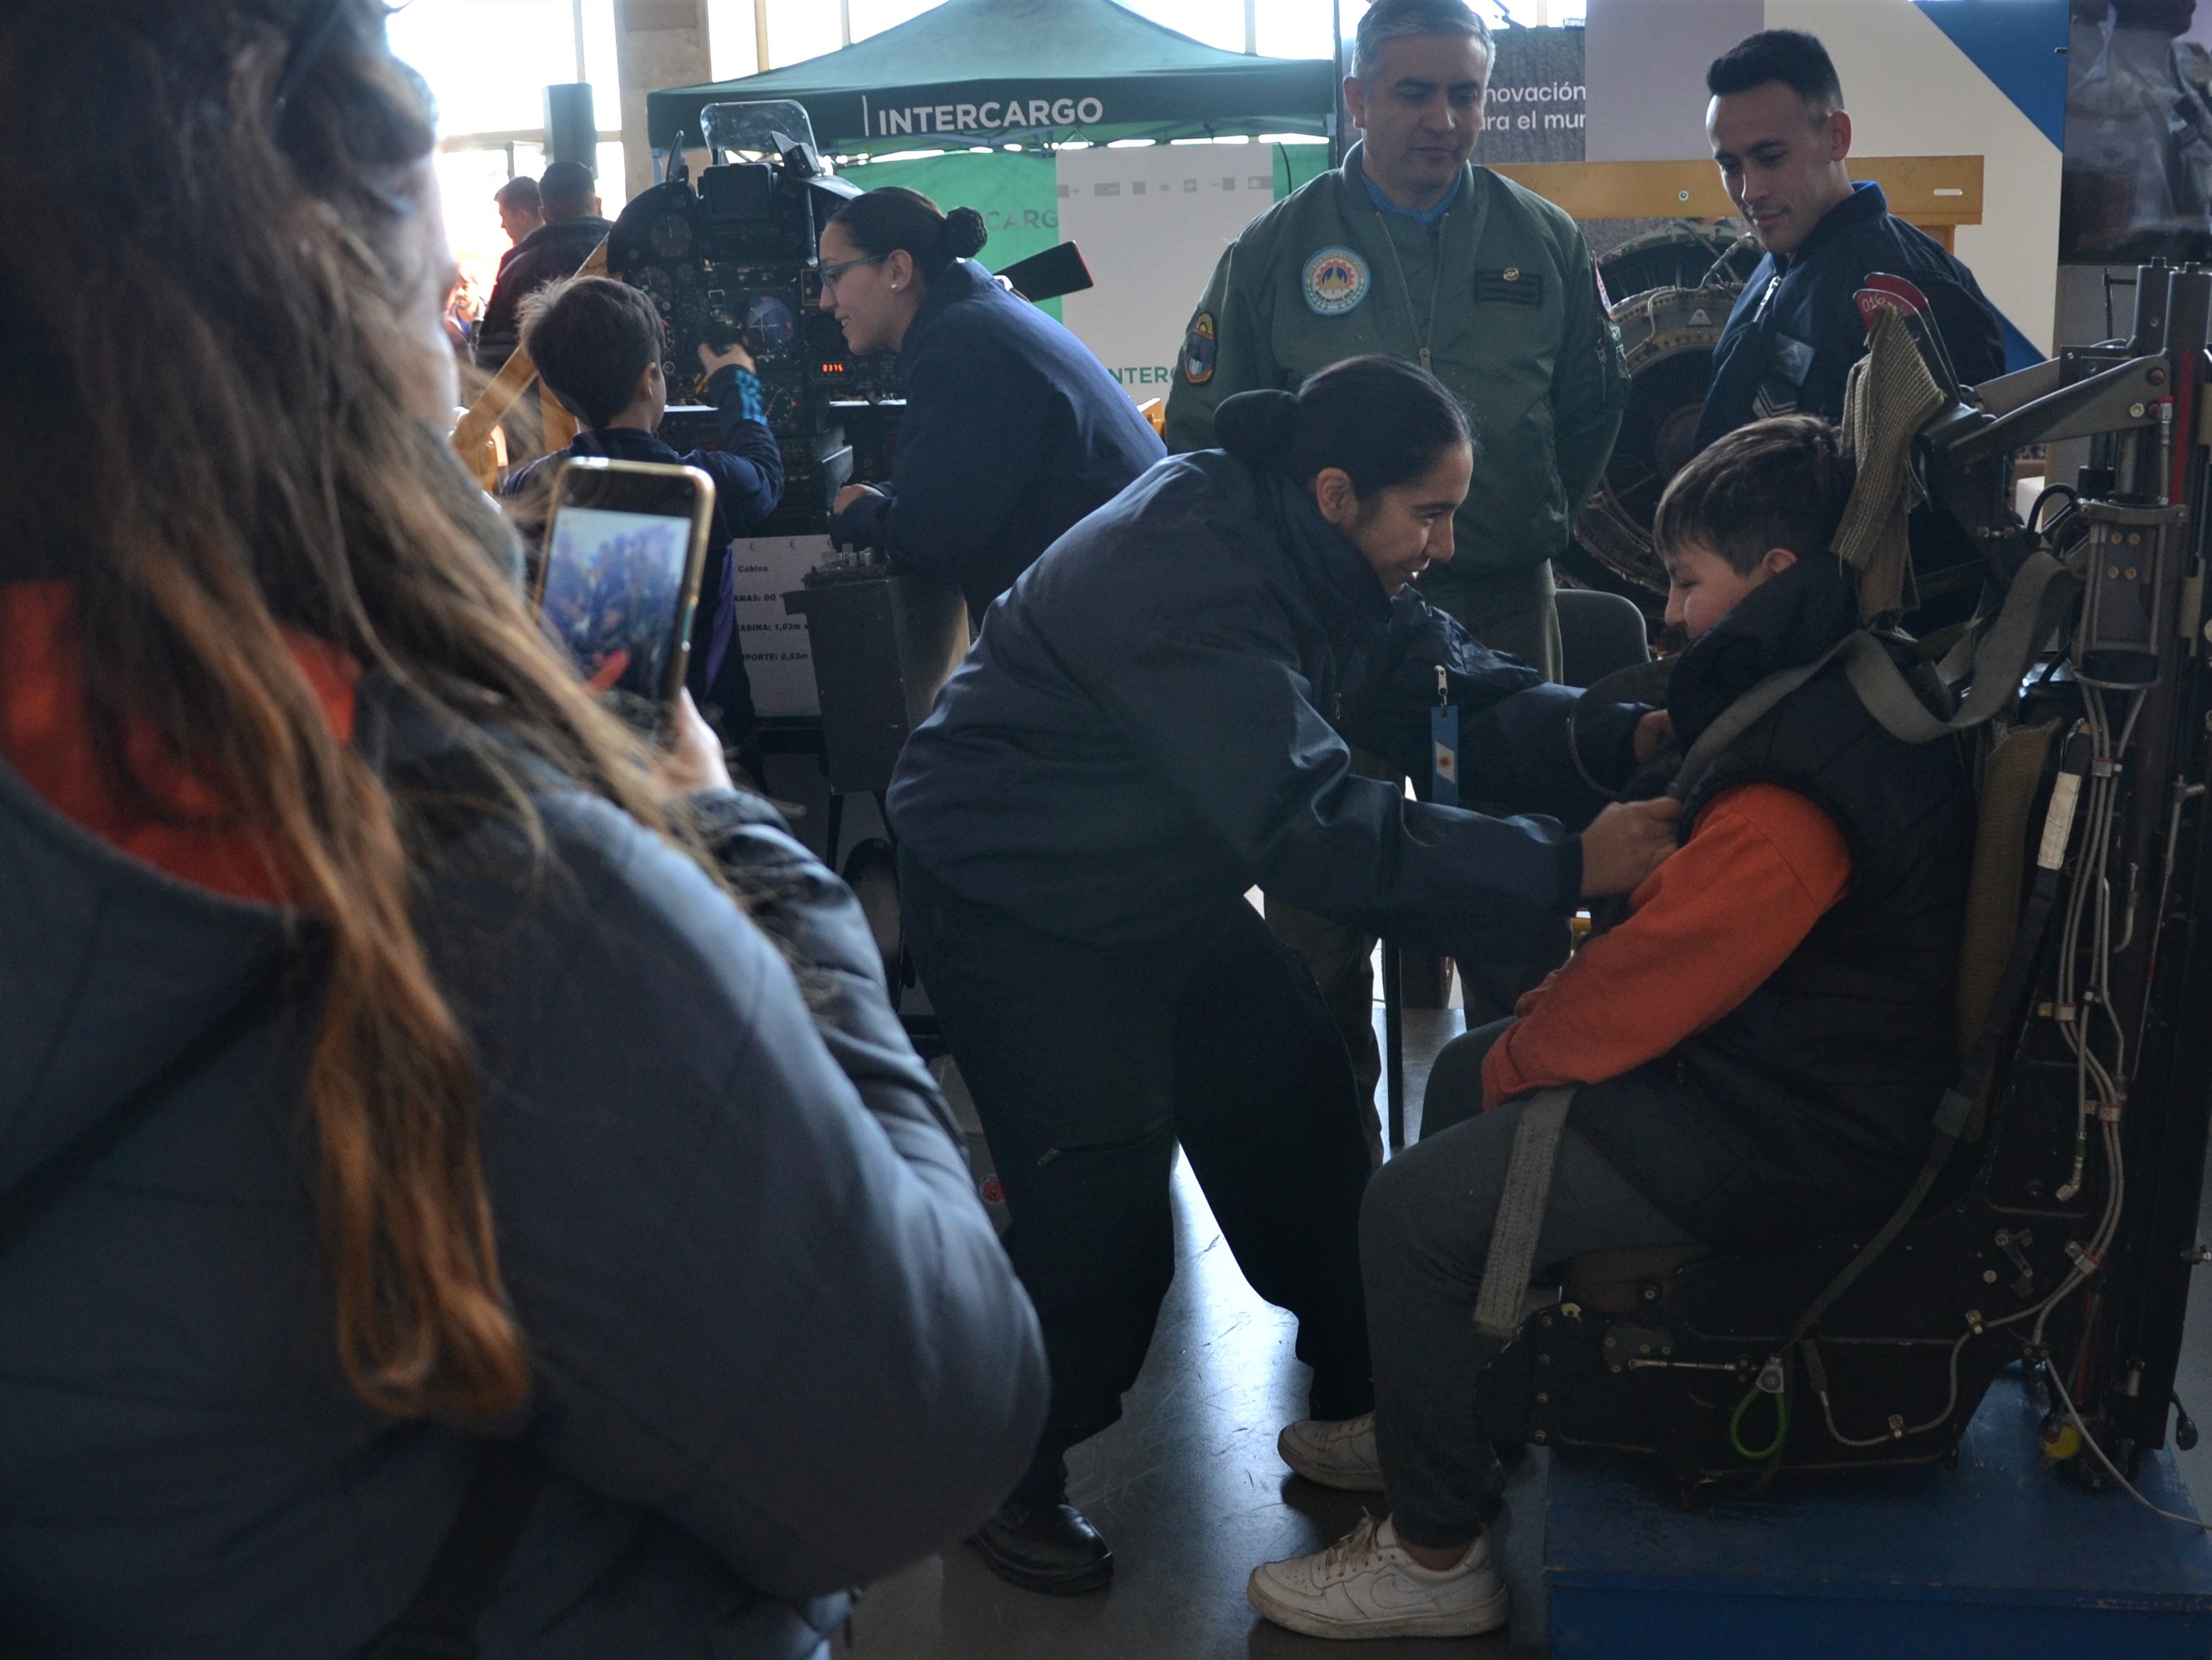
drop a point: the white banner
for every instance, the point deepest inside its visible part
(778, 660)
(1152, 223)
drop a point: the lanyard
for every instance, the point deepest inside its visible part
(1405, 289)
(1443, 745)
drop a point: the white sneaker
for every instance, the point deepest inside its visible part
(1366, 1585)
(1335, 1452)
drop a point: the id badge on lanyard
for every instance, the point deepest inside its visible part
(1443, 746)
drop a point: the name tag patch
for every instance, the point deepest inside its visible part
(1792, 360)
(1512, 285)
(1335, 280)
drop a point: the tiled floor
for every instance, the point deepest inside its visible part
(1190, 1492)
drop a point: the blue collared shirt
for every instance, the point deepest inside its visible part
(1424, 217)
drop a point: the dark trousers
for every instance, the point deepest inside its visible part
(1424, 1240)
(1088, 1065)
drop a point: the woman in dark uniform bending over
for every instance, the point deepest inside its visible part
(1013, 430)
(1151, 723)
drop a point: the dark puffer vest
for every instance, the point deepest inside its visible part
(1806, 1110)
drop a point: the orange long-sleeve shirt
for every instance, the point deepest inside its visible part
(1706, 930)
(46, 735)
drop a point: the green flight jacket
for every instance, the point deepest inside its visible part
(1519, 335)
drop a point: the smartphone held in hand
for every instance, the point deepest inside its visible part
(619, 582)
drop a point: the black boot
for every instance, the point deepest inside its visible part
(1045, 1546)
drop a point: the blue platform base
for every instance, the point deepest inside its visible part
(2001, 1557)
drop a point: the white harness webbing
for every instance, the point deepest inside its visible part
(1520, 1208)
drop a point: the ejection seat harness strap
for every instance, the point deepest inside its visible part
(1520, 1208)
(1999, 654)
(2001, 657)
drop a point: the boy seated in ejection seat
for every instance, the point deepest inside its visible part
(1757, 1048)
(598, 344)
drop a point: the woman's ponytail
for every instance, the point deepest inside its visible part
(962, 234)
(1381, 421)
(1259, 428)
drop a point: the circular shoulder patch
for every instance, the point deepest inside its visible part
(1335, 282)
(1199, 348)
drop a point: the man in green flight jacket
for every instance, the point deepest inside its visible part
(1409, 249)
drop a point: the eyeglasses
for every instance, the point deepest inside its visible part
(830, 274)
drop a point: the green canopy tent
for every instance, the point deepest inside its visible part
(972, 72)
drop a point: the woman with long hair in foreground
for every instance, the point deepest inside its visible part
(386, 1096)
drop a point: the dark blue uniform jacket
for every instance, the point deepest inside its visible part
(748, 475)
(1796, 332)
(1789, 350)
(548, 253)
(1153, 720)
(1014, 431)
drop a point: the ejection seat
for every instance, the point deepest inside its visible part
(1864, 1349)
(1686, 1354)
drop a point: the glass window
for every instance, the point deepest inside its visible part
(799, 31)
(488, 63)
(1295, 28)
(874, 16)
(729, 38)
(1216, 23)
(1499, 14)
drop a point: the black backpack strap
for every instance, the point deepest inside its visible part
(449, 792)
(464, 1575)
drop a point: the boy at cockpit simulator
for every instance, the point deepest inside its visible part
(1756, 1051)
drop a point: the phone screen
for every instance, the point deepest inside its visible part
(619, 581)
(614, 595)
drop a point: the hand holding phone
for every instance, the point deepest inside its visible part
(695, 760)
(619, 584)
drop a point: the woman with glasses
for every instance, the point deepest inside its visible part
(1013, 430)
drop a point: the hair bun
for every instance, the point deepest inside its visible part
(962, 235)
(1259, 427)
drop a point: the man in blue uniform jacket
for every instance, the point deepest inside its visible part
(1782, 139)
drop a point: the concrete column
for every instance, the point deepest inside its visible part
(658, 43)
